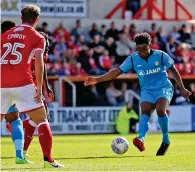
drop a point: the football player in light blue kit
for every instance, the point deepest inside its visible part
(156, 89)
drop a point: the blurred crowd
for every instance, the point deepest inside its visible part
(96, 51)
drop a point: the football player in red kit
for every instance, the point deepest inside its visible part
(18, 46)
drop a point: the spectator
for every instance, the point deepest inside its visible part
(103, 32)
(94, 31)
(124, 91)
(192, 36)
(59, 69)
(125, 29)
(177, 98)
(97, 46)
(44, 28)
(132, 31)
(94, 98)
(78, 30)
(110, 46)
(50, 69)
(153, 30)
(126, 120)
(105, 61)
(184, 35)
(88, 63)
(155, 44)
(76, 70)
(112, 32)
(187, 69)
(82, 43)
(171, 48)
(192, 63)
(175, 34)
(124, 46)
(133, 5)
(162, 38)
(73, 46)
(60, 49)
(112, 94)
(192, 89)
(61, 31)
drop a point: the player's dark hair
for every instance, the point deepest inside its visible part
(47, 42)
(30, 13)
(142, 38)
(6, 25)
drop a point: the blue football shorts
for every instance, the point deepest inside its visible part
(153, 95)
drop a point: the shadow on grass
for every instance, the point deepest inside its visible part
(7, 157)
(101, 157)
(22, 169)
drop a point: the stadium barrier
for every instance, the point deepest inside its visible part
(87, 120)
(60, 90)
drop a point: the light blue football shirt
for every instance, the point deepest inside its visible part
(151, 73)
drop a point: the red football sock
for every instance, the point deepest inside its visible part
(29, 128)
(9, 127)
(45, 139)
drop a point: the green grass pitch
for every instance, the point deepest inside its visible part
(93, 153)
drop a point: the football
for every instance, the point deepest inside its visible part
(120, 145)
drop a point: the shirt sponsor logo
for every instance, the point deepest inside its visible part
(141, 73)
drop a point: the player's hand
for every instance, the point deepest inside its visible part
(38, 96)
(90, 81)
(50, 94)
(185, 93)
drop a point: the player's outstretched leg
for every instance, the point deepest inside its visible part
(164, 125)
(29, 128)
(143, 129)
(45, 137)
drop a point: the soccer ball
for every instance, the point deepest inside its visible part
(120, 145)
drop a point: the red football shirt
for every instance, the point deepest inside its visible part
(17, 47)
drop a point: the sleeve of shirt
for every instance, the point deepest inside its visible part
(126, 65)
(40, 45)
(168, 62)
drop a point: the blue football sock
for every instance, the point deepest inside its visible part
(18, 137)
(143, 126)
(164, 125)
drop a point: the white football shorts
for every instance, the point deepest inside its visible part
(22, 97)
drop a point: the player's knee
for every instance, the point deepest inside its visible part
(161, 112)
(147, 111)
(38, 116)
(37, 122)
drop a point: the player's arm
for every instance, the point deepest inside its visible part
(46, 85)
(169, 64)
(39, 69)
(106, 77)
(114, 73)
(185, 93)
